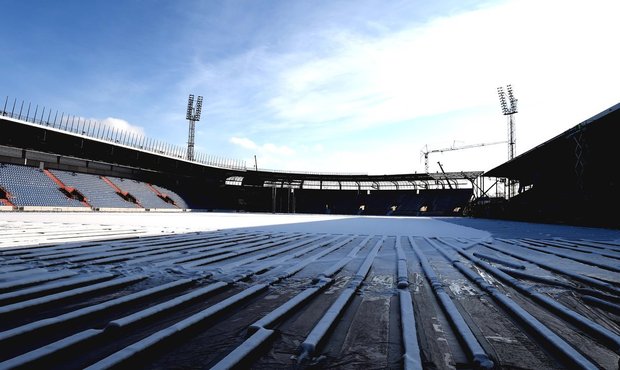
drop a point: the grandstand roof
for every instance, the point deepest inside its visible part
(62, 140)
(359, 181)
(585, 146)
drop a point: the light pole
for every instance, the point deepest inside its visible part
(193, 116)
(509, 108)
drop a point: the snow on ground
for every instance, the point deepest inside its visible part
(331, 224)
(102, 289)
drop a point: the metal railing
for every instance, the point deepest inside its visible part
(310, 172)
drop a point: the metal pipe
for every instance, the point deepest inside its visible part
(13, 110)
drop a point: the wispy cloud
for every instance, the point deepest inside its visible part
(271, 156)
(244, 142)
(345, 85)
(267, 148)
(448, 64)
(439, 77)
(122, 125)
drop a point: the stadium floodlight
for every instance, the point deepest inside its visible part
(193, 116)
(198, 109)
(502, 100)
(506, 109)
(509, 110)
(511, 98)
(190, 107)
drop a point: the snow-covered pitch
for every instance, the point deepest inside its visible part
(227, 290)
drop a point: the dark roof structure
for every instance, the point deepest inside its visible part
(359, 181)
(590, 139)
(572, 176)
(68, 146)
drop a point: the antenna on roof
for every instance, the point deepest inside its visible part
(193, 116)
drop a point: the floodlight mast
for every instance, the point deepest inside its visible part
(193, 116)
(509, 110)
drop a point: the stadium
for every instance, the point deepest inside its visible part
(350, 197)
(117, 252)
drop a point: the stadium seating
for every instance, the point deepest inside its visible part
(23, 186)
(30, 186)
(436, 202)
(141, 192)
(98, 194)
(180, 202)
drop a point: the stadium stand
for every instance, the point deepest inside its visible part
(567, 179)
(97, 192)
(83, 166)
(22, 186)
(30, 186)
(140, 191)
(167, 193)
(450, 201)
(410, 206)
(440, 202)
(437, 202)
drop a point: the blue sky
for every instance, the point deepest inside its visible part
(333, 86)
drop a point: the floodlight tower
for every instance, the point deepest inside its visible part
(193, 116)
(509, 108)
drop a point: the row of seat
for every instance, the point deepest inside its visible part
(147, 197)
(97, 192)
(438, 202)
(29, 186)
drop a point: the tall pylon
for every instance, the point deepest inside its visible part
(509, 108)
(193, 116)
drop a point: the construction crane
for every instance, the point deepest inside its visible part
(426, 151)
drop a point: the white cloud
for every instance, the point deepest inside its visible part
(437, 79)
(122, 125)
(452, 63)
(267, 148)
(243, 142)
